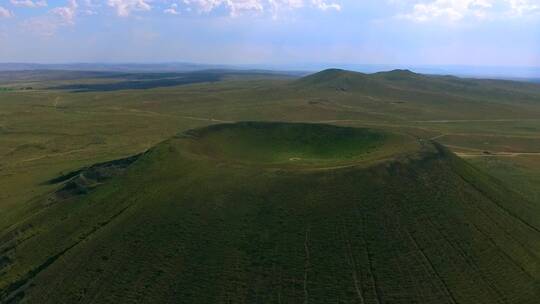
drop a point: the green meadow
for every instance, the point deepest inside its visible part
(339, 187)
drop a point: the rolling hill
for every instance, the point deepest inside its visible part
(405, 80)
(256, 212)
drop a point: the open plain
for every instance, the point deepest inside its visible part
(250, 187)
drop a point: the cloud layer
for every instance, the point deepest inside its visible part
(29, 3)
(419, 11)
(456, 10)
(5, 13)
(233, 7)
(413, 10)
(125, 7)
(66, 13)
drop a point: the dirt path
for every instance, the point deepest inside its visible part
(206, 119)
(496, 154)
(473, 152)
(307, 266)
(56, 101)
(150, 113)
(352, 264)
(474, 120)
(438, 136)
(126, 111)
(51, 155)
(180, 116)
(492, 135)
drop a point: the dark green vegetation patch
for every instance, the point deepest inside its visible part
(280, 143)
(181, 227)
(144, 81)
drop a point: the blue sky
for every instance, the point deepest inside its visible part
(281, 32)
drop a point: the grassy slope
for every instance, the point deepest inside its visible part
(286, 144)
(521, 174)
(427, 228)
(45, 132)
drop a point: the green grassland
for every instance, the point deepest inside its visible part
(520, 173)
(425, 227)
(290, 144)
(407, 226)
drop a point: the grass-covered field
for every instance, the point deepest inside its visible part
(276, 144)
(424, 227)
(466, 238)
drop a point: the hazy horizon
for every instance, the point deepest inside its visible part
(500, 72)
(273, 32)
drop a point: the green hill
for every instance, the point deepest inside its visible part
(399, 75)
(404, 83)
(279, 213)
(356, 79)
(337, 79)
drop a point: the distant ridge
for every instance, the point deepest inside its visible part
(343, 80)
(530, 74)
(112, 67)
(398, 75)
(402, 82)
(336, 78)
(333, 74)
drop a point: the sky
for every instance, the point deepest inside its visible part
(280, 32)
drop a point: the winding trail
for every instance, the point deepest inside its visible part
(307, 266)
(475, 120)
(51, 155)
(438, 136)
(496, 154)
(206, 119)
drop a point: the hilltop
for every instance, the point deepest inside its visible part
(406, 80)
(311, 213)
(338, 79)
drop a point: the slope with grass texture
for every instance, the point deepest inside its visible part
(404, 83)
(220, 215)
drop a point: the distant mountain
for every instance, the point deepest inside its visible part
(338, 79)
(403, 83)
(113, 81)
(509, 73)
(492, 72)
(399, 75)
(113, 67)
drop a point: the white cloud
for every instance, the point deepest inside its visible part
(239, 7)
(172, 10)
(125, 7)
(236, 7)
(324, 5)
(5, 13)
(90, 3)
(523, 7)
(29, 3)
(452, 10)
(56, 18)
(66, 13)
(456, 10)
(90, 8)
